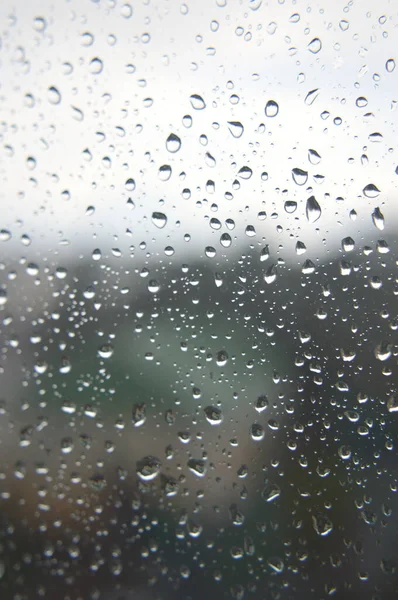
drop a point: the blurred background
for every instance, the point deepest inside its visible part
(198, 293)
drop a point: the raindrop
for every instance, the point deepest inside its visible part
(173, 143)
(197, 102)
(299, 176)
(271, 492)
(314, 157)
(264, 255)
(257, 432)
(390, 65)
(313, 210)
(261, 403)
(348, 244)
(105, 351)
(378, 219)
(392, 403)
(148, 468)
(271, 108)
(213, 415)
(276, 565)
(383, 351)
(322, 524)
(96, 66)
(290, 206)
(222, 358)
(271, 274)
(236, 128)
(315, 46)
(159, 219)
(138, 414)
(225, 240)
(197, 467)
(311, 96)
(371, 191)
(164, 172)
(54, 97)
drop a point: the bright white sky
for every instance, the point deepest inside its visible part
(183, 56)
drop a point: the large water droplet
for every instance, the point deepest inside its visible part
(96, 66)
(257, 432)
(222, 358)
(371, 191)
(213, 415)
(54, 97)
(311, 96)
(164, 172)
(271, 274)
(197, 102)
(315, 46)
(299, 176)
(148, 468)
(271, 108)
(173, 143)
(322, 524)
(313, 210)
(378, 219)
(236, 128)
(271, 492)
(159, 219)
(197, 467)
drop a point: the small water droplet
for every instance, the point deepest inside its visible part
(222, 358)
(390, 65)
(257, 432)
(197, 467)
(138, 414)
(271, 492)
(271, 274)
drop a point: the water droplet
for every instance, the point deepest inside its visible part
(383, 351)
(290, 207)
(257, 432)
(271, 108)
(54, 97)
(378, 219)
(301, 248)
(197, 467)
(308, 267)
(276, 564)
(314, 157)
(271, 492)
(225, 240)
(245, 173)
(299, 176)
(236, 128)
(315, 46)
(148, 468)
(390, 65)
(322, 524)
(348, 244)
(311, 96)
(371, 191)
(159, 219)
(138, 414)
(173, 143)
(164, 172)
(222, 358)
(345, 452)
(264, 255)
(197, 102)
(261, 403)
(392, 403)
(361, 102)
(96, 66)
(313, 210)
(213, 415)
(105, 351)
(5, 235)
(271, 274)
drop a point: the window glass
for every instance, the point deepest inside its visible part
(198, 297)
